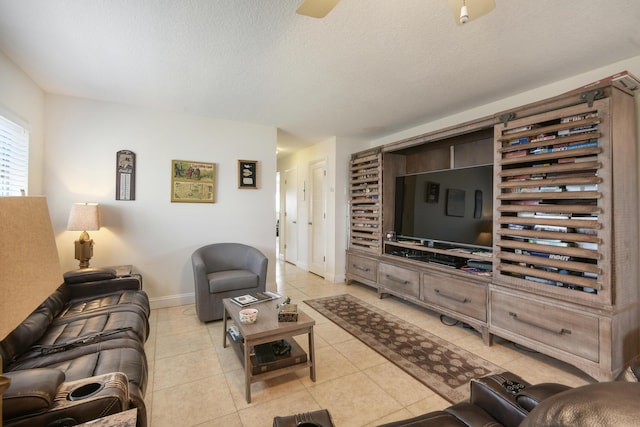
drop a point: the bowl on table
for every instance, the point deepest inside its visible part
(248, 315)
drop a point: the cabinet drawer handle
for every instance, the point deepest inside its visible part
(562, 331)
(395, 279)
(452, 297)
(357, 267)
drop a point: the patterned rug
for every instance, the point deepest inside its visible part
(438, 364)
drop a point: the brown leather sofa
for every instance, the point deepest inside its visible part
(80, 355)
(508, 400)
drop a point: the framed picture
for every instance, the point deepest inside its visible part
(125, 175)
(248, 174)
(193, 182)
(432, 194)
(455, 202)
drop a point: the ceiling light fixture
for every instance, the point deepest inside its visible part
(464, 13)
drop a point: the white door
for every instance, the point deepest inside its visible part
(291, 216)
(318, 217)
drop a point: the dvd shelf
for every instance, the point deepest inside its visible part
(550, 200)
(566, 229)
(366, 201)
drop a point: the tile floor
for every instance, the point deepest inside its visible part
(193, 381)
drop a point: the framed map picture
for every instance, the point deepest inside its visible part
(248, 174)
(193, 182)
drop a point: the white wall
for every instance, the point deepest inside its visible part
(153, 234)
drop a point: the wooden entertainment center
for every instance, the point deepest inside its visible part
(564, 277)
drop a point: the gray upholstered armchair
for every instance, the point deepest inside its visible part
(226, 270)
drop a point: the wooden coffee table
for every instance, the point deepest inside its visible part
(267, 329)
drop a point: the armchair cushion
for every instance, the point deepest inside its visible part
(231, 280)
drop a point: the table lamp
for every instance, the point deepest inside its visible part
(28, 261)
(83, 217)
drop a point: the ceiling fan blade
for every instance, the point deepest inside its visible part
(476, 8)
(316, 8)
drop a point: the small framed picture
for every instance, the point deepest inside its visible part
(455, 202)
(248, 174)
(432, 194)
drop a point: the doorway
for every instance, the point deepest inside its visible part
(317, 218)
(290, 231)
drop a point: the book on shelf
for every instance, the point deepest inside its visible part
(556, 228)
(518, 141)
(518, 129)
(541, 280)
(547, 255)
(550, 215)
(517, 227)
(582, 144)
(512, 154)
(250, 299)
(234, 333)
(549, 242)
(543, 137)
(519, 177)
(582, 187)
(578, 117)
(576, 130)
(582, 159)
(525, 202)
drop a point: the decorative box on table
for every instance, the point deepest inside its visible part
(288, 313)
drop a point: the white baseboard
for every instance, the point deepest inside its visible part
(335, 278)
(172, 300)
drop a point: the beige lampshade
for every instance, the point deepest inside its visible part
(84, 217)
(29, 264)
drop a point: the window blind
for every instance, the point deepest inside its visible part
(14, 158)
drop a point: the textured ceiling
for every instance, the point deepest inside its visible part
(370, 68)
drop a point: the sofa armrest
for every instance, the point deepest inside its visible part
(105, 285)
(55, 402)
(496, 395)
(31, 391)
(531, 396)
(84, 275)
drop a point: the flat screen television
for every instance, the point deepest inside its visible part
(451, 207)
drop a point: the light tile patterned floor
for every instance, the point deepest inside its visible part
(195, 382)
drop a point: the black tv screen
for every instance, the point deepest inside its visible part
(453, 206)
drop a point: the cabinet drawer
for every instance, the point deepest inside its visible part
(567, 330)
(362, 267)
(399, 279)
(463, 297)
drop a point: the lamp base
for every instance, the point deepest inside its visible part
(84, 250)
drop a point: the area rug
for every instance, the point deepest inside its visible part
(443, 367)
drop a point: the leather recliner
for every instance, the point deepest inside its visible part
(226, 270)
(508, 400)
